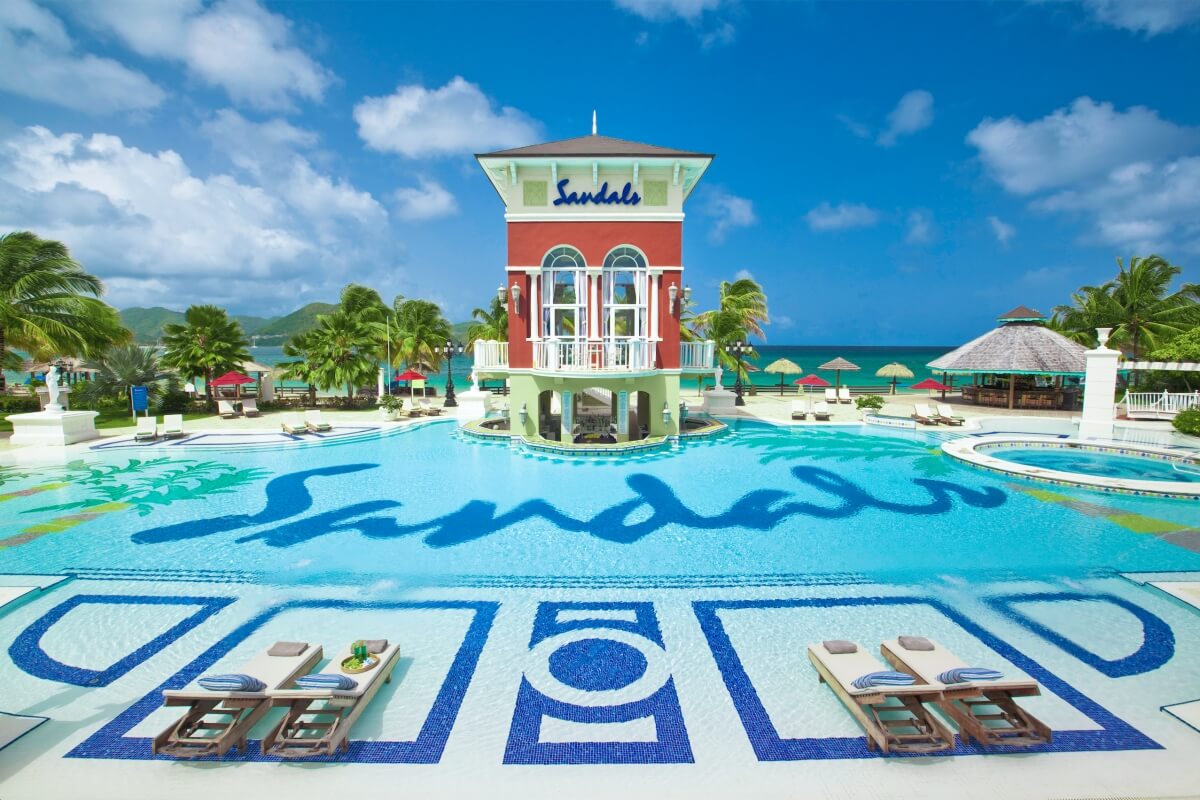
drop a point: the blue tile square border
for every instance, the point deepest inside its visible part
(768, 745)
(110, 742)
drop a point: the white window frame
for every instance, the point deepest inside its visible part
(560, 259)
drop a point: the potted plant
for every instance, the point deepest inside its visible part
(868, 404)
(389, 406)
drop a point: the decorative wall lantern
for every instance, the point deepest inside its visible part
(687, 294)
(501, 293)
(666, 414)
(524, 412)
(516, 298)
(673, 295)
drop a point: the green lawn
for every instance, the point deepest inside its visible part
(114, 419)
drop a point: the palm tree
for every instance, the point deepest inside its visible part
(208, 343)
(129, 365)
(490, 324)
(418, 334)
(1138, 305)
(741, 312)
(298, 347)
(340, 351)
(49, 304)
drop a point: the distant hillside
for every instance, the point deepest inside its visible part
(147, 323)
(299, 320)
(460, 331)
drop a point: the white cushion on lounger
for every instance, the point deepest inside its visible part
(271, 670)
(334, 667)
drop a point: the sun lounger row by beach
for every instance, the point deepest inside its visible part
(148, 430)
(945, 415)
(249, 408)
(893, 706)
(320, 708)
(820, 410)
(419, 408)
(839, 395)
(311, 421)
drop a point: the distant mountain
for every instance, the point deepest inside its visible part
(460, 331)
(299, 320)
(147, 323)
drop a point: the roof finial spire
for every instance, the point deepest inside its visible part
(593, 122)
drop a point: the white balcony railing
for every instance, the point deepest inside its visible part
(697, 355)
(490, 354)
(1159, 405)
(574, 355)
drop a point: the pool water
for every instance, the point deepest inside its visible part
(1102, 464)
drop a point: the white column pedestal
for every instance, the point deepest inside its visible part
(53, 428)
(1099, 392)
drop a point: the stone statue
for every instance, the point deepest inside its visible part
(53, 390)
(717, 373)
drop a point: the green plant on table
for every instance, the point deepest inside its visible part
(871, 401)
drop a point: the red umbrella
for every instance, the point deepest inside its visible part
(810, 380)
(931, 385)
(236, 379)
(410, 375)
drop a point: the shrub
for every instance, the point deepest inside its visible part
(871, 401)
(174, 402)
(1188, 421)
(18, 404)
(391, 403)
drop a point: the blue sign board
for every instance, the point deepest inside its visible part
(626, 197)
(140, 398)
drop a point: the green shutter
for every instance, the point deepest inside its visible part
(654, 193)
(535, 193)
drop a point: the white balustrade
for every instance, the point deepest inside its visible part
(577, 355)
(490, 354)
(1159, 405)
(697, 355)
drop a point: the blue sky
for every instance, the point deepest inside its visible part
(893, 173)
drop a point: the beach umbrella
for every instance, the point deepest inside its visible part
(933, 386)
(410, 375)
(235, 379)
(811, 380)
(839, 364)
(895, 371)
(783, 367)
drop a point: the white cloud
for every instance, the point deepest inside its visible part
(1082, 142)
(662, 10)
(154, 230)
(724, 33)
(236, 45)
(1145, 16)
(428, 201)
(728, 211)
(920, 227)
(782, 322)
(457, 118)
(913, 113)
(743, 275)
(39, 60)
(1001, 230)
(843, 216)
(854, 126)
(1132, 177)
(251, 145)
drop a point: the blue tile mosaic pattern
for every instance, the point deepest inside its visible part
(572, 664)
(111, 742)
(1158, 641)
(1115, 733)
(27, 653)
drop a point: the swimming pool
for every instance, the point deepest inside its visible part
(1104, 464)
(703, 573)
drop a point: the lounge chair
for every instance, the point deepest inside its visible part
(315, 422)
(799, 409)
(430, 410)
(946, 415)
(844, 394)
(305, 729)
(820, 410)
(201, 731)
(923, 415)
(293, 423)
(831, 395)
(964, 702)
(250, 407)
(147, 429)
(172, 426)
(410, 408)
(894, 717)
(226, 410)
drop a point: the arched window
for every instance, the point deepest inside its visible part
(625, 294)
(564, 294)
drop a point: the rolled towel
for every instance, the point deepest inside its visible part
(915, 643)
(839, 646)
(326, 680)
(287, 648)
(964, 674)
(376, 646)
(232, 682)
(883, 678)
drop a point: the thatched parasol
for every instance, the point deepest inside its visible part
(783, 367)
(895, 371)
(839, 364)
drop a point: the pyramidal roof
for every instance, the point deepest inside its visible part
(1021, 314)
(593, 145)
(1020, 349)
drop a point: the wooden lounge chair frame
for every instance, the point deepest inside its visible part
(226, 410)
(235, 712)
(915, 730)
(825, 415)
(291, 737)
(173, 433)
(923, 418)
(797, 413)
(429, 409)
(250, 407)
(948, 419)
(144, 433)
(318, 423)
(294, 430)
(987, 712)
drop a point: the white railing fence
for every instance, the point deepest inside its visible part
(1159, 405)
(623, 355)
(697, 355)
(490, 354)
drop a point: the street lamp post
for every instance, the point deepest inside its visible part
(736, 350)
(449, 351)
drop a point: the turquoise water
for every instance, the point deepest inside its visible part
(1104, 465)
(426, 506)
(869, 359)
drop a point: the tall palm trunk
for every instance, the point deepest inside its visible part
(208, 387)
(3, 352)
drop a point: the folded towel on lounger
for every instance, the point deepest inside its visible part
(915, 643)
(883, 678)
(964, 674)
(839, 646)
(287, 648)
(325, 680)
(233, 682)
